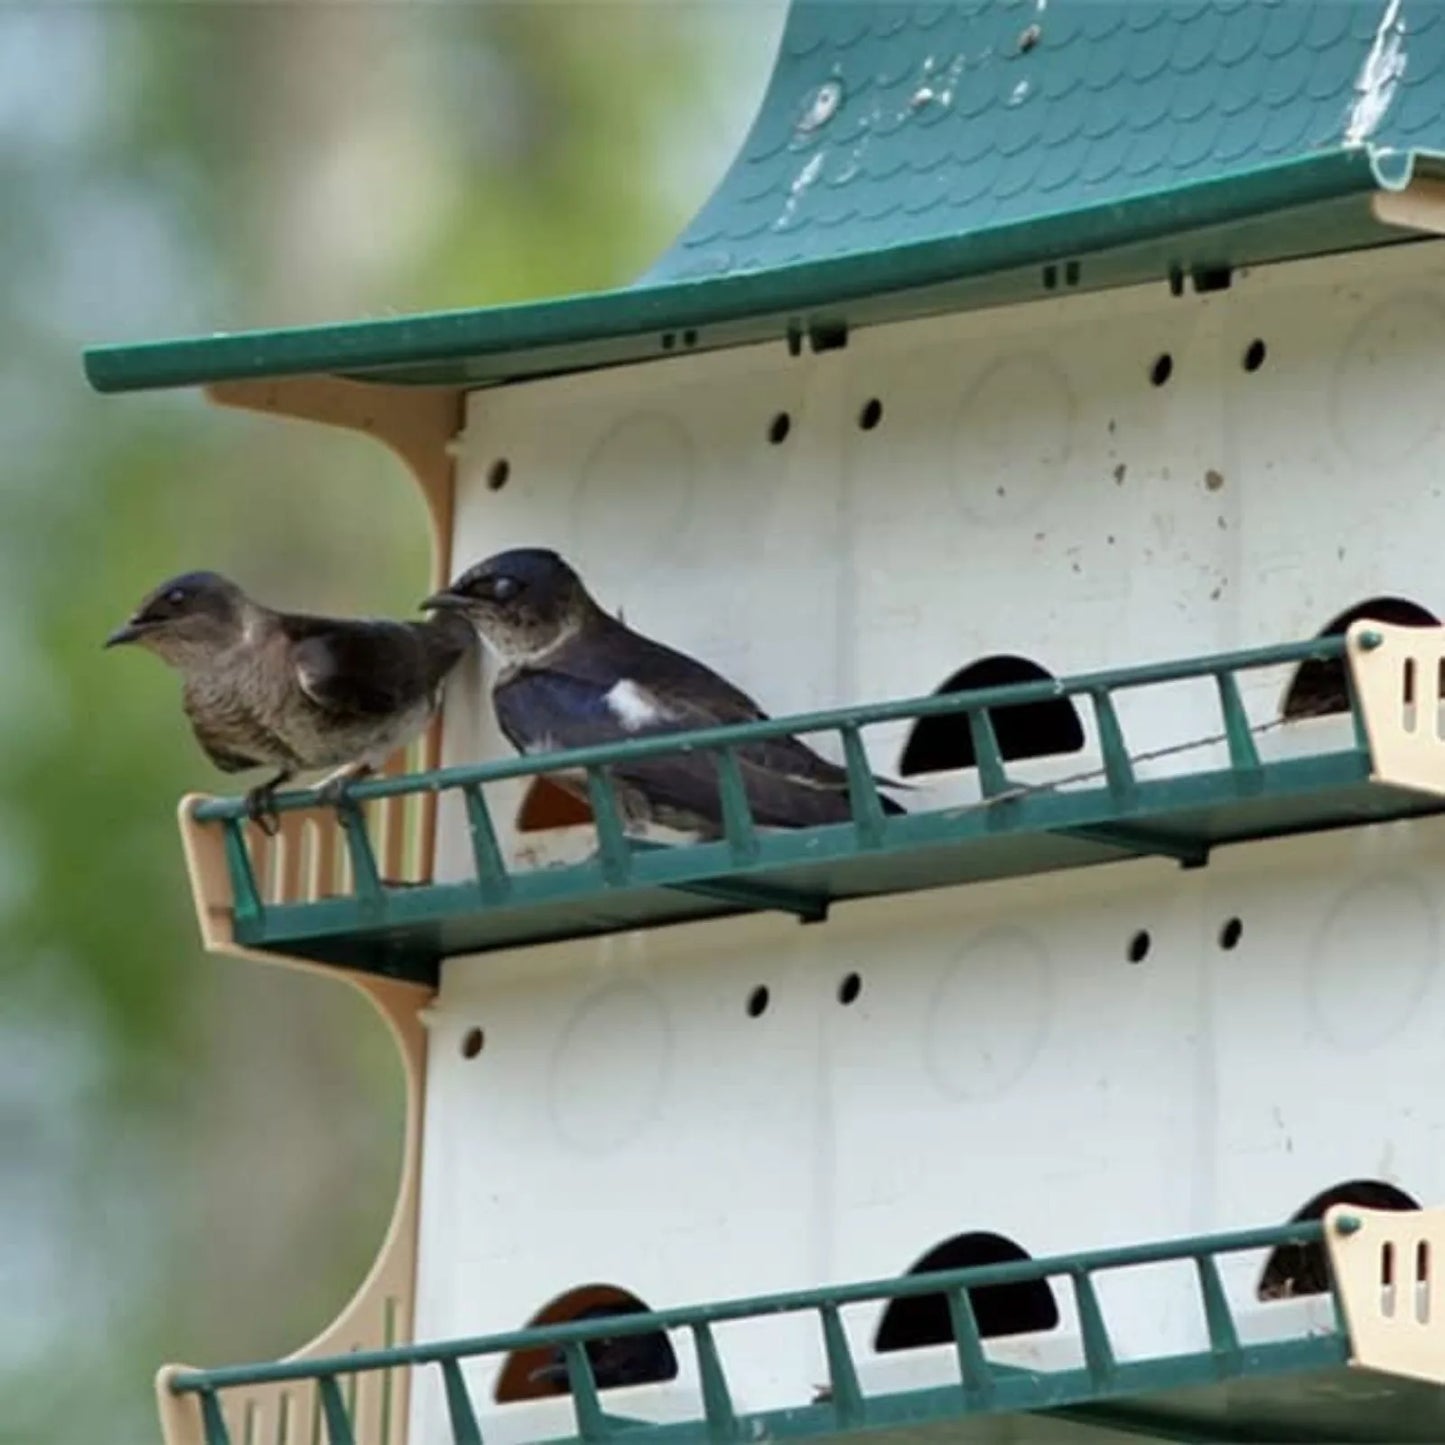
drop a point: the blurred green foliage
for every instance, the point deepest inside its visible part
(196, 1155)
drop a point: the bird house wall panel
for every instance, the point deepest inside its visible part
(1090, 482)
(1064, 1061)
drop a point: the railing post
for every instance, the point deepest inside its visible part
(1118, 769)
(465, 1430)
(338, 1426)
(847, 1395)
(737, 818)
(586, 1404)
(868, 815)
(493, 881)
(363, 860)
(992, 779)
(246, 902)
(722, 1421)
(974, 1374)
(1223, 1337)
(1243, 755)
(1098, 1352)
(611, 836)
(212, 1420)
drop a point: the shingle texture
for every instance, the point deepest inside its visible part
(887, 122)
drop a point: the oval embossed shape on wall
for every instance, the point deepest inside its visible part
(1397, 345)
(989, 1016)
(1012, 438)
(635, 491)
(1372, 962)
(609, 1068)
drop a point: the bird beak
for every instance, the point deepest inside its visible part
(129, 633)
(443, 601)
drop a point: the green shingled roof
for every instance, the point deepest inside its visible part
(912, 159)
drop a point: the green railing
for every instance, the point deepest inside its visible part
(1120, 811)
(982, 1387)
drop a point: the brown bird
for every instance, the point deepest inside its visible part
(294, 692)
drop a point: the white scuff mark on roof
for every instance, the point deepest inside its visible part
(1019, 93)
(1040, 6)
(824, 105)
(921, 96)
(801, 182)
(1379, 77)
(950, 79)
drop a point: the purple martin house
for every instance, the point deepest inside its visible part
(1047, 409)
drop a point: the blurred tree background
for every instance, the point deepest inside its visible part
(197, 1156)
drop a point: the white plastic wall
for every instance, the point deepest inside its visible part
(1028, 490)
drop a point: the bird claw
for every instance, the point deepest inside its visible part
(335, 793)
(261, 810)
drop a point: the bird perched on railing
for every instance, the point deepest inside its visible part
(615, 1360)
(572, 676)
(293, 692)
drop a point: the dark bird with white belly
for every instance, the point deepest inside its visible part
(572, 676)
(294, 692)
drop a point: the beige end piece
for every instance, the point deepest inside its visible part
(1391, 1277)
(379, 1314)
(1419, 207)
(307, 860)
(1398, 684)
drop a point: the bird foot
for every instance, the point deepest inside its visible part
(335, 791)
(261, 809)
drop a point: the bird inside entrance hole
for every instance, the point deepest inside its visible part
(615, 1359)
(294, 692)
(572, 676)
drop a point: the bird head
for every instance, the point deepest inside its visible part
(195, 614)
(522, 602)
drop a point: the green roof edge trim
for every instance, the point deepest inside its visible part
(355, 348)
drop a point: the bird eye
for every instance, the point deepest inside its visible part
(176, 596)
(505, 588)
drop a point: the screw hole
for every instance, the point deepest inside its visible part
(1231, 933)
(758, 1001)
(849, 989)
(498, 473)
(1254, 355)
(1139, 946)
(1162, 369)
(472, 1042)
(871, 414)
(779, 428)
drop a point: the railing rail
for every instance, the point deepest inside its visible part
(845, 1397)
(839, 719)
(615, 862)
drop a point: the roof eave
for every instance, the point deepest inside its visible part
(644, 321)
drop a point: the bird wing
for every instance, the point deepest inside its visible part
(357, 668)
(600, 694)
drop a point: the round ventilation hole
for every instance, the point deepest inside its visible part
(849, 989)
(472, 1042)
(1139, 946)
(758, 1001)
